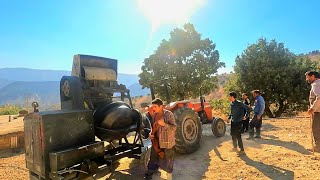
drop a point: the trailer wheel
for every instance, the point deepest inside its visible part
(189, 130)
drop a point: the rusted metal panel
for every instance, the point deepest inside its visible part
(92, 61)
(32, 143)
(97, 73)
(70, 157)
(55, 131)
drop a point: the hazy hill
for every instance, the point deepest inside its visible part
(4, 82)
(136, 90)
(23, 93)
(24, 74)
(19, 84)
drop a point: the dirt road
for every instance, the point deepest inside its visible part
(280, 154)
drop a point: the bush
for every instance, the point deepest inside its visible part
(9, 110)
(222, 105)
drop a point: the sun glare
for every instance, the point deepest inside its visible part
(177, 12)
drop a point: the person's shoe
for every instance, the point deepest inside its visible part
(157, 173)
(250, 138)
(169, 176)
(258, 132)
(241, 153)
(234, 150)
(148, 176)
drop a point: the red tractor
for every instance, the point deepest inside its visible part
(189, 118)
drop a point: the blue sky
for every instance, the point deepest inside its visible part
(46, 34)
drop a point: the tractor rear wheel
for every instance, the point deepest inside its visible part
(218, 127)
(189, 130)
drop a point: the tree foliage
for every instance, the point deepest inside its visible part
(278, 73)
(186, 61)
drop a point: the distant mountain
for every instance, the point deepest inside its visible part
(136, 90)
(128, 79)
(19, 85)
(23, 93)
(24, 74)
(4, 82)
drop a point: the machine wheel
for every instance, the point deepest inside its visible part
(71, 91)
(218, 127)
(189, 130)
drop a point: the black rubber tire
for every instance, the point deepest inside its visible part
(188, 124)
(218, 127)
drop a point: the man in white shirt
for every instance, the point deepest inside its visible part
(313, 78)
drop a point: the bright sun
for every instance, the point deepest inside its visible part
(160, 12)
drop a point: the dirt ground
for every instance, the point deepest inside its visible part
(282, 153)
(7, 127)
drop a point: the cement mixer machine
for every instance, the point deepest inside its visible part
(92, 128)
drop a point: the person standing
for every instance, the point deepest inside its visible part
(163, 140)
(256, 121)
(245, 122)
(238, 112)
(313, 78)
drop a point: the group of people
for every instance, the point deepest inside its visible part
(163, 125)
(240, 115)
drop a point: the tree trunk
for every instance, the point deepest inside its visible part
(268, 112)
(282, 108)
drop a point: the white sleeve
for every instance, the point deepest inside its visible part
(316, 89)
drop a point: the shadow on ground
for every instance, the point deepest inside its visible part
(270, 171)
(196, 164)
(11, 152)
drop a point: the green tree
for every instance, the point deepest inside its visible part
(278, 73)
(186, 61)
(9, 109)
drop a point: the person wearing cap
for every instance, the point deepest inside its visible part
(258, 109)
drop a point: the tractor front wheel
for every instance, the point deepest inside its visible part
(189, 130)
(218, 127)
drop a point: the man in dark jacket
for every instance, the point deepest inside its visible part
(238, 112)
(245, 122)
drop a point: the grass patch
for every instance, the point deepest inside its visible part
(9, 110)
